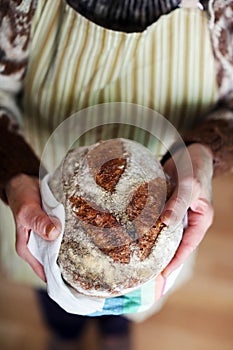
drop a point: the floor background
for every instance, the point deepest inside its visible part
(198, 316)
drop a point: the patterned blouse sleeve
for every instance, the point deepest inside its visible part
(216, 131)
(16, 156)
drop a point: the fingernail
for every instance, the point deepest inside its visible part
(52, 232)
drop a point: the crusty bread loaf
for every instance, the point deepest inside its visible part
(113, 193)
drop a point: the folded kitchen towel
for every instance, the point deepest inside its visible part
(46, 252)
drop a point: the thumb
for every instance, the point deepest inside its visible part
(48, 227)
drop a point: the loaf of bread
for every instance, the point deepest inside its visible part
(113, 193)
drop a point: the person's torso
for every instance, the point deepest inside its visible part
(75, 63)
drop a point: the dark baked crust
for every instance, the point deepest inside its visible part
(107, 164)
(104, 229)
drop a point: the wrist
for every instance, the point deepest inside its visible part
(202, 147)
(217, 136)
(17, 182)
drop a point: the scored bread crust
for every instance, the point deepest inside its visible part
(113, 193)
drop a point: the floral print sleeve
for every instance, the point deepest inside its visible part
(16, 156)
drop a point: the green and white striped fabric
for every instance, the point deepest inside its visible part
(75, 63)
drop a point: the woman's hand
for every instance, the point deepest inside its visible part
(24, 200)
(193, 194)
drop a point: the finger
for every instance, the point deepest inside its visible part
(22, 250)
(34, 218)
(178, 204)
(199, 222)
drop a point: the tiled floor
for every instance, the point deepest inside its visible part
(199, 316)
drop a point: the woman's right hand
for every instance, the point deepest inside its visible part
(25, 202)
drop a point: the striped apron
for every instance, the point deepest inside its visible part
(74, 64)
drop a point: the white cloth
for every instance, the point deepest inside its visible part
(47, 252)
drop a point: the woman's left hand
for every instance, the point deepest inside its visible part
(192, 195)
